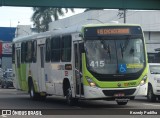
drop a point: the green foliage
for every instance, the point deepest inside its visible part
(42, 16)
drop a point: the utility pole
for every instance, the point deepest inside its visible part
(122, 14)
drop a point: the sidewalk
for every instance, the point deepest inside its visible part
(12, 91)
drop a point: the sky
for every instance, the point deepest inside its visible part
(13, 16)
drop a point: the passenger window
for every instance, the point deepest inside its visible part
(13, 53)
(29, 52)
(55, 47)
(23, 52)
(34, 50)
(48, 50)
(66, 49)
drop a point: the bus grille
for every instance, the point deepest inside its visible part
(116, 78)
(113, 92)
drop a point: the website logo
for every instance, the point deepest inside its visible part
(6, 113)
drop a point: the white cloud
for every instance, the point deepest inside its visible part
(12, 16)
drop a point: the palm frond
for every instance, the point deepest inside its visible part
(42, 16)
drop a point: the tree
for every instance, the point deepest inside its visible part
(42, 16)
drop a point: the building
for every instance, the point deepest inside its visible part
(23, 30)
(6, 36)
(149, 20)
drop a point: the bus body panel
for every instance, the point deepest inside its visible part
(49, 78)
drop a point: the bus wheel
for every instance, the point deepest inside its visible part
(122, 102)
(32, 92)
(150, 95)
(70, 101)
(69, 96)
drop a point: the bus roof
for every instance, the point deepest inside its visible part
(56, 32)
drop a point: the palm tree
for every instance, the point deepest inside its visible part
(42, 16)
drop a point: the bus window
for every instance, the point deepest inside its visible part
(18, 58)
(55, 53)
(23, 52)
(29, 52)
(66, 49)
(13, 53)
(34, 50)
(48, 50)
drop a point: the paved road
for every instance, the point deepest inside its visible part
(13, 99)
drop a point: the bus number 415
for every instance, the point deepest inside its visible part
(97, 64)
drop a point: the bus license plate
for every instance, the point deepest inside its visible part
(119, 94)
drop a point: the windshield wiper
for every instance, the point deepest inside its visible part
(107, 49)
(122, 50)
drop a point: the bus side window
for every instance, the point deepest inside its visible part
(66, 49)
(18, 58)
(29, 51)
(55, 49)
(34, 50)
(48, 50)
(23, 52)
(13, 53)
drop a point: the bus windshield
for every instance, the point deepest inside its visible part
(121, 55)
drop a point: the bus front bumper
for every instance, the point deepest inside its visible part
(102, 93)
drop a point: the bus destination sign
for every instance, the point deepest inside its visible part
(113, 31)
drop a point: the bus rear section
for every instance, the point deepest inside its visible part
(113, 63)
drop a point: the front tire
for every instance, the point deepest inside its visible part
(150, 95)
(32, 93)
(69, 99)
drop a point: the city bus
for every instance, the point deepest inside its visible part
(89, 62)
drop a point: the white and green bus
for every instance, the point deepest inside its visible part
(90, 62)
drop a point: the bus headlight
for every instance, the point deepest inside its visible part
(91, 82)
(143, 81)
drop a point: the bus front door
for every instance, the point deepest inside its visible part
(78, 69)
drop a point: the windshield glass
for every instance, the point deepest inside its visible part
(115, 56)
(154, 69)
